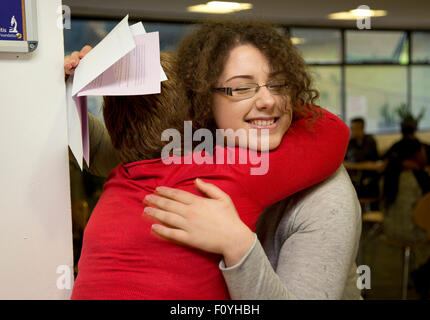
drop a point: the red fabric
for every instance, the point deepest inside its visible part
(122, 259)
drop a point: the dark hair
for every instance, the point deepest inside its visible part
(409, 127)
(402, 150)
(203, 54)
(358, 120)
(135, 123)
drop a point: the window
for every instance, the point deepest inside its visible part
(421, 94)
(85, 32)
(91, 32)
(170, 33)
(318, 45)
(420, 47)
(327, 82)
(375, 92)
(376, 47)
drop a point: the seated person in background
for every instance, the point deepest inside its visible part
(407, 179)
(120, 257)
(360, 159)
(409, 128)
(405, 182)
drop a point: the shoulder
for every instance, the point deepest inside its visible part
(328, 205)
(370, 138)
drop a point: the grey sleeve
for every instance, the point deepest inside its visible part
(102, 154)
(253, 277)
(311, 254)
(316, 260)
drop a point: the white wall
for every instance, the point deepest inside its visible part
(35, 216)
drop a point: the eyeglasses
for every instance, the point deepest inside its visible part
(248, 90)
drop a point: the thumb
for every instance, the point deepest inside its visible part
(210, 190)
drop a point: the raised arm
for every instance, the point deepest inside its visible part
(102, 153)
(311, 241)
(306, 156)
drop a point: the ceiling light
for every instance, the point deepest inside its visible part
(220, 7)
(297, 41)
(357, 14)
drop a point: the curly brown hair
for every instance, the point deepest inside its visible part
(203, 54)
(135, 123)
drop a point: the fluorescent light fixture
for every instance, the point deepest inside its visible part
(296, 41)
(220, 7)
(357, 14)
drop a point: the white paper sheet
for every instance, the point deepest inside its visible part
(125, 62)
(74, 129)
(113, 47)
(138, 29)
(136, 73)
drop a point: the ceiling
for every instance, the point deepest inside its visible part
(411, 14)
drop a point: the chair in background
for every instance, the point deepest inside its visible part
(371, 227)
(421, 218)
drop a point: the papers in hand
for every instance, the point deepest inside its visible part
(125, 62)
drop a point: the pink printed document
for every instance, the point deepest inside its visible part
(125, 62)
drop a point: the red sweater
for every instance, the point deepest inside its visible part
(122, 259)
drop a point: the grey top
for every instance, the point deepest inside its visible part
(307, 243)
(306, 249)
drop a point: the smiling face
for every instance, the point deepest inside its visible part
(265, 110)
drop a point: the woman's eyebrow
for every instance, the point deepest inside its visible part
(244, 76)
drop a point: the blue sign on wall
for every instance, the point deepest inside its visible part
(12, 20)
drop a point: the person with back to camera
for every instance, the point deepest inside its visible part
(310, 240)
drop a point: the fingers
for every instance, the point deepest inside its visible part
(166, 204)
(176, 194)
(167, 218)
(75, 59)
(70, 62)
(84, 51)
(211, 190)
(170, 234)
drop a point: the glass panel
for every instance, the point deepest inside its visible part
(170, 33)
(85, 32)
(327, 82)
(90, 32)
(318, 45)
(374, 93)
(421, 94)
(376, 46)
(421, 47)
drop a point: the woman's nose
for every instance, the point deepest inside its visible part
(264, 99)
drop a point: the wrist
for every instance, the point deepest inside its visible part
(238, 246)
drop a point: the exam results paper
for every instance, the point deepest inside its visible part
(125, 62)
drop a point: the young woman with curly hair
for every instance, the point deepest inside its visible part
(306, 244)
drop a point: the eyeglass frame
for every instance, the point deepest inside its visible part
(229, 90)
